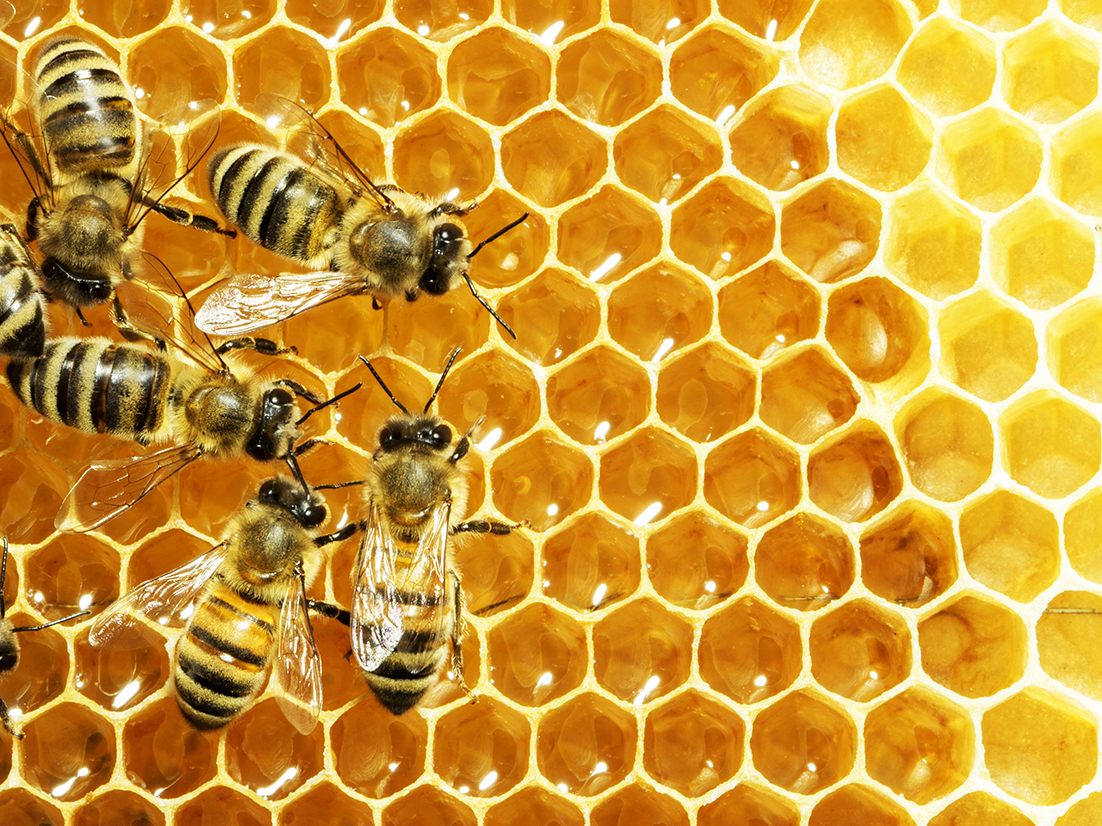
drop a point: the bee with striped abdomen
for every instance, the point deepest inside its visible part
(244, 604)
(406, 601)
(94, 171)
(9, 645)
(326, 213)
(23, 319)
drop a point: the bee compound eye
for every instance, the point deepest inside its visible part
(388, 439)
(441, 436)
(269, 491)
(101, 291)
(313, 515)
(8, 662)
(280, 396)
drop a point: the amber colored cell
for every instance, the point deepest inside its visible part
(947, 443)
(648, 476)
(1051, 73)
(444, 154)
(125, 21)
(213, 805)
(1066, 635)
(455, 318)
(879, 332)
(387, 76)
(768, 310)
(552, 20)
(974, 647)
(161, 554)
(266, 754)
(768, 19)
(598, 396)
(542, 480)
(663, 21)
(363, 413)
(855, 477)
(845, 46)
(752, 478)
(210, 497)
(227, 20)
(497, 571)
(882, 140)
(282, 62)
(558, 314)
(695, 562)
(659, 310)
(163, 754)
(807, 396)
(42, 672)
(586, 745)
(792, 121)
(606, 78)
(692, 744)
(948, 67)
(1084, 813)
(1052, 446)
(362, 329)
(1082, 526)
(31, 490)
(324, 805)
(173, 68)
(706, 393)
(336, 21)
(997, 16)
(725, 227)
(989, 159)
(72, 574)
(859, 651)
(911, 556)
(68, 753)
(590, 564)
(534, 806)
(749, 652)
(714, 73)
(642, 652)
(979, 809)
(803, 744)
(638, 804)
(497, 76)
(919, 745)
(1076, 177)
(747, 805)
(858, 806)
(608, 235)
(118, 808)
(118, 679)
(551, 158)
(933, 243)
(376, 753)
(831, 232)
(664, 154)
(1042, 256)
(426, 804)
(442, 21)
(481, 749)
(29, 810)
(804, 563)
(1040, 747)
(512, 257)
(1075, 347)
(987, 347)
(493, 391)
(536, 655)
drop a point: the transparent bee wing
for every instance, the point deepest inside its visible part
(109, 487)
(167, 601)
(298, 663)
(21, 133)
(388, 597)
(251, 302)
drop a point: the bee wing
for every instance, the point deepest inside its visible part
(383, 601)
(166, 600)
(298, 663)
(109, 487)
(28, 147)
(251, 302)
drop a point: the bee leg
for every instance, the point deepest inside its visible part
(299, 390)
(264, 346)
(337, 536)
(488, 526)
(127, 329)
(457, 634)
(189, 219)
(309, 444)
(327, 609)
(80, 315)
(5, 718)
(452, 208)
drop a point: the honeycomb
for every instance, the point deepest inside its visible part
(818, 547)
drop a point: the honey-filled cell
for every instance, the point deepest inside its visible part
(694, 561)
(768, 310)
(648, 476)
(638, 803)
(118, 808)
(462, 156)
(692, 744)
(807, 396)
(497, 76)
(752, 478)
(714, 73)
(77, 573)
(537, 655)
(749, 652)
(552, 20)
(376, 753)
(608, 235)
(910, 555)
(641, 652)
(854, 805)
(68, 754)
(387, 76)
(723, 228)
(706, 393)
(29, 809)
(165, 755)
(792, 121)
(803, 743)
(525, 489)
(664, 155)
(550, 158)
(42, 671)
(606, 78)
(590, 564)
(979, 809)
(586, 745)
(856, 475)
(748, 805)
(859, 652)
(598, 396)
(804, 563)
(948, 444)
(461, 757)
(215, 802)
(266, 754)
(427, 802)
(831, 231)
(442, 21)
(659, 310)
(324, 804)
(282, 61)
(558, 313)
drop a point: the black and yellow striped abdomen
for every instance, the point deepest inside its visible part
(223, 656)
(275, 200)
(85, 110)
(22, 312)
(97, 385)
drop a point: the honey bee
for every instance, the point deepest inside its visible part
(406, 601)
(326, 213)
(188, 395)
(9, 645)
(244, 604)
(95, 175)
(23, 320)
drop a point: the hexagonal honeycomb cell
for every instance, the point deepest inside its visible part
(989, 159)
(768, 310)
(948, 67)
(694, 561)
(831, 231)
(988, 347)
(792, 121)
(803, 743)
(1052, 446)
(807, 396)
(639, 667)
(859, 652)
(498, 76)
(945, 461)
(706, 393)
(910, 556)
(882, 140)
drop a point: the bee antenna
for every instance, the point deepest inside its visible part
(292, 462)
(489, 309)
(325, 404)
(382, 384)
(499, 233)
(3, 574)
(52, 622)
(337, 485)
(444, 375)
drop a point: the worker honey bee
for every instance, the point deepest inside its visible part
(326, 213)
(94, 171)
(187, 394)
(23, 319)
(9, 645)
(244, 604)
(406, 600)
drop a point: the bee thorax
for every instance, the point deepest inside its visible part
(392, 249)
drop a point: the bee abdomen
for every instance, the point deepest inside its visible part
(222, 659)
(96, 386)
(85, 108)
(274, 200)
(22, 313)
(402, 679)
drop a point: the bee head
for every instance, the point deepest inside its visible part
(275, 431)
(306, 506)
(449, 260)
(418, 431)
(79, 289)
(9, 647)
